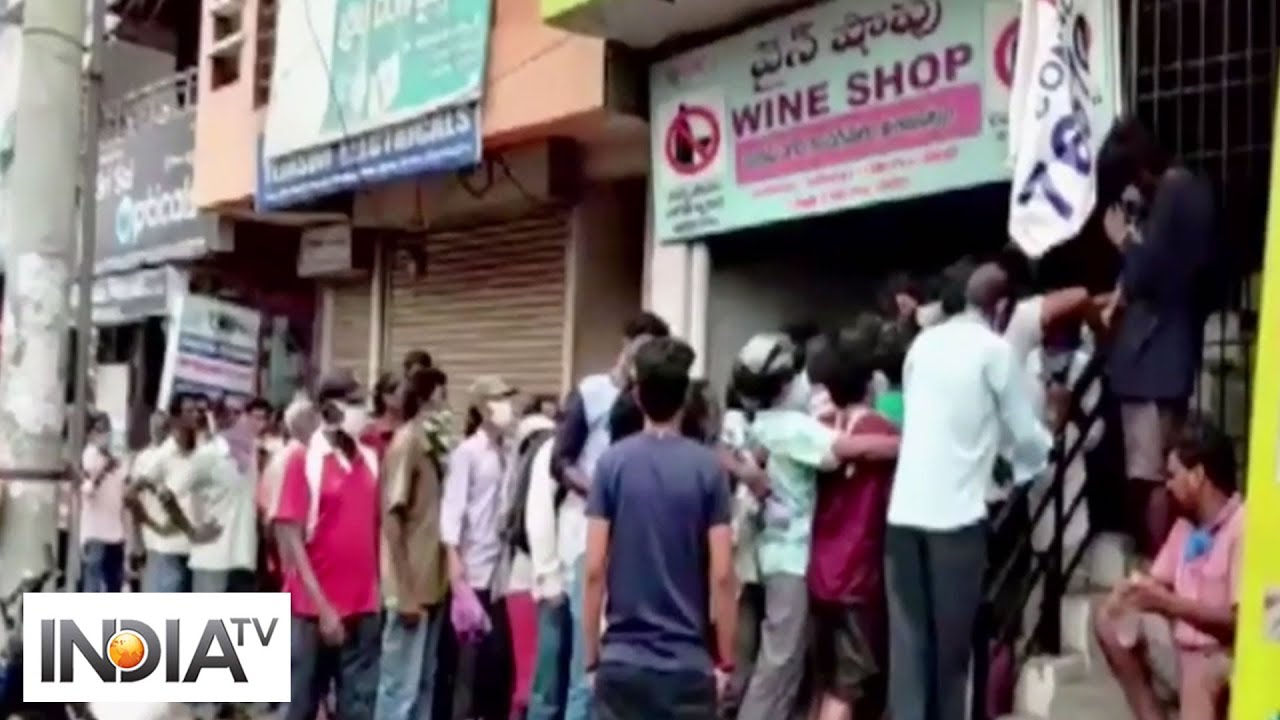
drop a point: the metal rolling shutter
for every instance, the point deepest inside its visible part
(349, 345)
(491, 300)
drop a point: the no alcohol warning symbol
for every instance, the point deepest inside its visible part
(693, 139)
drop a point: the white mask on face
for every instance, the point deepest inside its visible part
(501, 414)
(798, 394)
(354, 418)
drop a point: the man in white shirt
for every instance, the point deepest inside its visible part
(555, 634)
(102, 530)
(964, 391)
(162, 488)
(223, 491)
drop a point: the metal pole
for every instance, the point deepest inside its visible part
(84, 284)
(38, 268)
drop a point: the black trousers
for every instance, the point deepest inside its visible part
(484, 675)
(934, 581)
(625, 692)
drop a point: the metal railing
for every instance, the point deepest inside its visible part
(150, 104)
(993, 629)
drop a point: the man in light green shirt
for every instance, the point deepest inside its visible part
(768, 371)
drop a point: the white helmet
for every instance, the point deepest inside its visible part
(764, 367)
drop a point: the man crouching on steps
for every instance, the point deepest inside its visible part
(1167, 635)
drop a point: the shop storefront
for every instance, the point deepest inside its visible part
(468, 192)
(815, 154)
(532, 281)
(491, 299)
(147, 235)
(153, 248)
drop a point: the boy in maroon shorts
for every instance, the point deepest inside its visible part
(845, 576)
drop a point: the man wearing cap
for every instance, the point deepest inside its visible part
(470, 522)
(326, 520)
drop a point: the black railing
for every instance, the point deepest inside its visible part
(998, 623)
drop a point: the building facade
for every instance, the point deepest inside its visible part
(458, 211)
(800, 153)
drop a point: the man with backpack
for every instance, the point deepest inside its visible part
(531, 530)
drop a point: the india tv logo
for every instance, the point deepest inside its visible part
(126, 650)
(189, 648)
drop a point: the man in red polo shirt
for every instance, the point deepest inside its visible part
(846, 584)
(327, 526)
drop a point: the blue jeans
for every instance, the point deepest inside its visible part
(166, 573)
(408, 675)
(352, 668)
(103, 566)
(578, 704)
(550, 673)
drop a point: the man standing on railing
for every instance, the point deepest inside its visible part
(1161, 219)
(964, 390)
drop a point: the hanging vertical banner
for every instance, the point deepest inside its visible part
(1051, 133)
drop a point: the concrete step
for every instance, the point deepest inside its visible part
(1109, 559)
(1063, 688)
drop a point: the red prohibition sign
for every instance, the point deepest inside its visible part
(692, 140)
(1006, 52)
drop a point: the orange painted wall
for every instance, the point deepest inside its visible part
(541, 82)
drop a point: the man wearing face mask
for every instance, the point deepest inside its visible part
(964, 389)
(470, 528)
(768, 373)
(326, 523)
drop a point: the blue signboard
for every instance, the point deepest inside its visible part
(444, 141)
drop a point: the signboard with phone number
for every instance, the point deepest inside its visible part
(842, 105)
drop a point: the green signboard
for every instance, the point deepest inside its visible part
(843, 105)
(372, 89)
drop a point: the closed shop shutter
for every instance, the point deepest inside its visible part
(349, 338)
(491, 301)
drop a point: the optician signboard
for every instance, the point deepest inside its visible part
(144, 211)
(843, 105)
(365, 91)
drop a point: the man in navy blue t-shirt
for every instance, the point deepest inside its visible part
(659, 546)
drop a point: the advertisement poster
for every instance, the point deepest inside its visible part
(213, 349)
(366, 90)
(843, 105)
(1255, 692)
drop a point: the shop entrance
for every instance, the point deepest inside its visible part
(825, 270)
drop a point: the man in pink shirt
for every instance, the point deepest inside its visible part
(326, 520)
(1168, 634)
(102, 528)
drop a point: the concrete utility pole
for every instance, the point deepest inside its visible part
(39, 257)
(78, 422)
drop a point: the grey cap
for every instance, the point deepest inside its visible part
(767, 353)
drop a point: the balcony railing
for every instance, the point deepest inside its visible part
(265, 53)
(149, 104)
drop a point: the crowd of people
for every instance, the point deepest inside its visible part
(812, 540)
